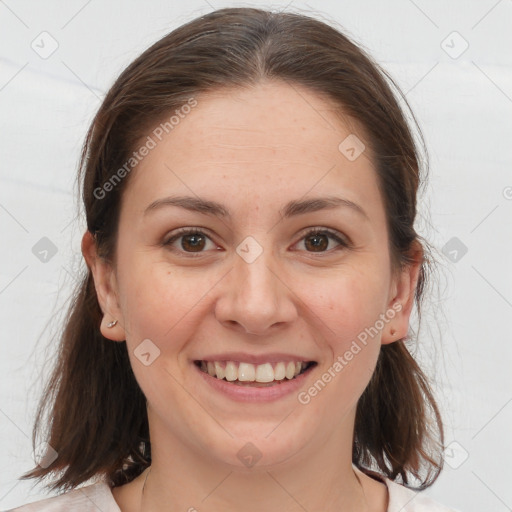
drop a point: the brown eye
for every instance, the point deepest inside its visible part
(317, 242)
(189, 241)
(193, 243)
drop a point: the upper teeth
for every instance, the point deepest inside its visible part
(248, 372)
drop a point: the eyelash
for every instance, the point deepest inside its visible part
(334, 235)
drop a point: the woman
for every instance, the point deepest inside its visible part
(237, 341)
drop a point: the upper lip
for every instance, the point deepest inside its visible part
(254, 358)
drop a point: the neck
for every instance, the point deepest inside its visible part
(321, 478)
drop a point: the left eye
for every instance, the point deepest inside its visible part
(318, 239)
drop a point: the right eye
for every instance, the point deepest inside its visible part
(191, 240)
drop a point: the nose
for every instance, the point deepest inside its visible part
(255, 298)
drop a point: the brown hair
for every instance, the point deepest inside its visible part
(98, 421)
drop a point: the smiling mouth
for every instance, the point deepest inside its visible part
(261, 375)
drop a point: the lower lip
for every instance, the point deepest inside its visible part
(247, 393)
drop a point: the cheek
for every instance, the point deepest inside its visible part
(346, 305)
(348, 310)
(348, 313)
(162, 303)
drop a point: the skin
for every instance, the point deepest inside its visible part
(253, 150)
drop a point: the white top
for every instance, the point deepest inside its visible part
(98, 496)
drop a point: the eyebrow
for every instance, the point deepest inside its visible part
(291, 209)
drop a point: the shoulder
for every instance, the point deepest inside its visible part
(403, 499)
(99, 497)
(90, 498)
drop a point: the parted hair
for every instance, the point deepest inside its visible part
(92, 411)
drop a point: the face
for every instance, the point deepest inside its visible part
(258, 283)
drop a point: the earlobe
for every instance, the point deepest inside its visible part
(112, 329)
(402, 299)
(105, 285)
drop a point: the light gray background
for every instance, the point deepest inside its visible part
(464, 105)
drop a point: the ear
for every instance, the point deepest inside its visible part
(402, 295)
(106, 289)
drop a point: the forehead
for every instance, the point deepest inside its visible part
(263, 141)
(273, 117)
